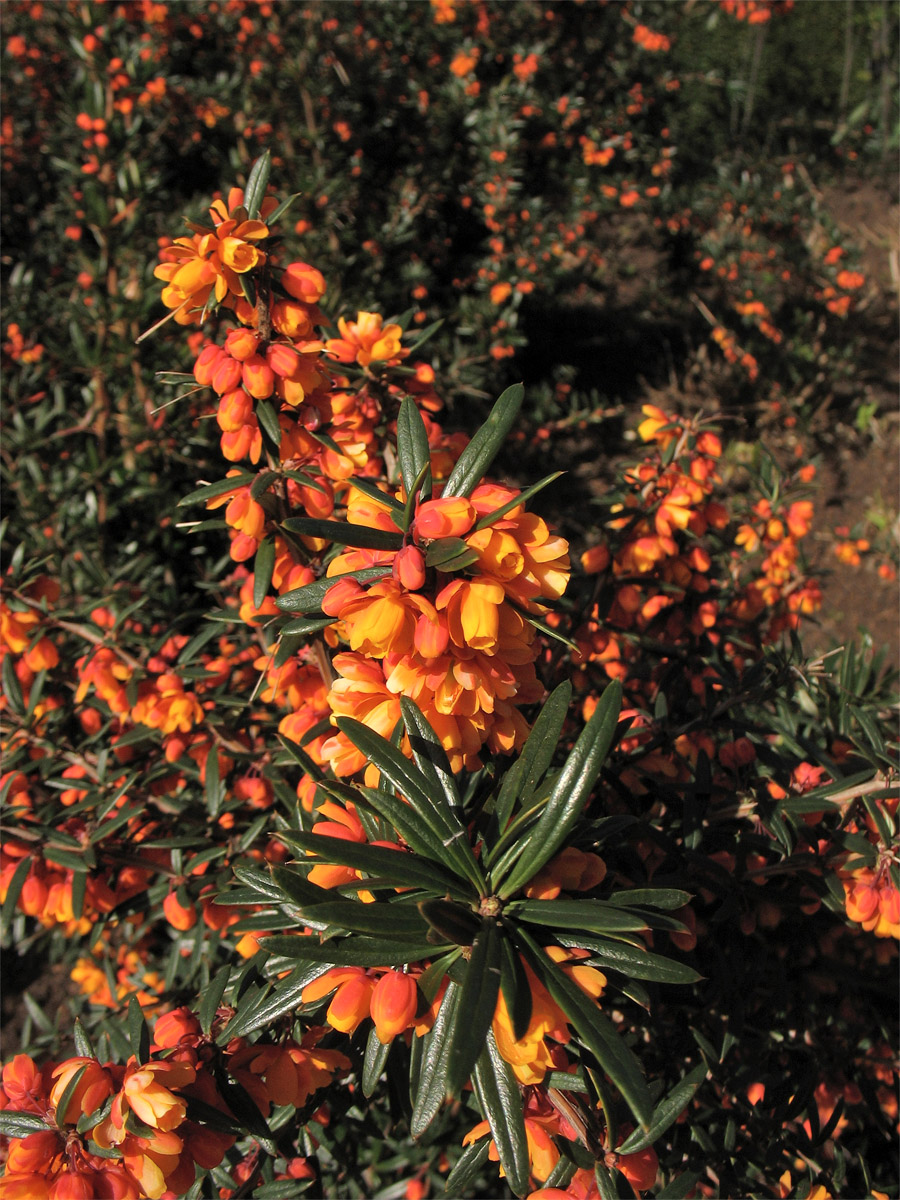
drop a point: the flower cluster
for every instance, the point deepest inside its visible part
(125, 1132)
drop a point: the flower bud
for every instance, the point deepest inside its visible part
(409, 568)
(303, 282)
(393, 1004)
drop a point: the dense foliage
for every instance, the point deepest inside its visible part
(385, 845)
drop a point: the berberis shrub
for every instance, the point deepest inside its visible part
(385, 851)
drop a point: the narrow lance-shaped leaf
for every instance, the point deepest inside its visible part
(516, 989)
(412, 784)
(412, 443)
(500, 1100)
(596, 916)
(405, 870)
(522, 498)
(535, 757)
(423, 836)
(212, 997)
(138, 1032)
(257, 182)
(263, 566)
(309, 597)
(269, 1006)
(386, 920)
(570, 792)
(352, 951)
(345, 533)
(435, 1060)
(667, 1112)
(210, 490)
(478, 1004)
(373, 1062)
(485, 445)
(428, 752)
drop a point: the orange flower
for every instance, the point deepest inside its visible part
(366, 340)
(91, 1090)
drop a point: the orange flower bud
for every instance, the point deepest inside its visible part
(178, 916)
(258, 377)
(350, 1006)
(453, 516)
(284, 360)
(393, 1004)
(173, 1026)
(303, 282)
(409, 568)
(226, 374)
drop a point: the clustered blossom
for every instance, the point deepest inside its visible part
(139, 1140)
(458, 643)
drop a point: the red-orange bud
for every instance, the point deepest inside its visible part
(393, 1004)
(303, 282)
(409, 568)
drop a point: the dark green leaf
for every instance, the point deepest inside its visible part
(425, 334)
(373, 1063)
(374, 492)
(344, 533)
(277, 213)
(309, 597)
(467, 1167)
(516, 988)
(138, 1033)
(412, 784)
(412, 444)
(83, 1044)
(639, 963)
(297, 889)
(68, 1092)
(386, 920)
(268, 1007)
(262, 483)
(20, 1124)
(210, 490)
(12, 689)
(481, 451)
(244, 1108)
(570, 792)
(435, 1060)
(15, 887)
(451, 922)
(304, 626)
(450, 554)
(500, 1100)
(667, 1112)
(667, 898)
(268, 422)
(263, 566)
(421, 489)
(257, 182)
(211, 998)
(596, 916)
(430, 756)
(350, 951)
(215, 791)
(606, 1184)
(419, 832)
(478, 1002)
